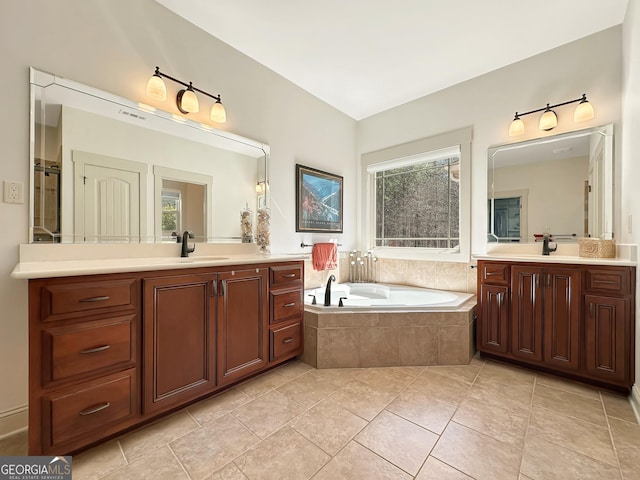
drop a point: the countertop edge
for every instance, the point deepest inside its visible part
(551, 259)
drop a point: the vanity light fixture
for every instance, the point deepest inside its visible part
(549, 119)
(186, 100)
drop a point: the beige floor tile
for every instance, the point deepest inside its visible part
(626, 439)
(263, 384)
(497, 422)
(268, 413)
(543, 460)
(15, 445)
(356, 462)
(218, 406)
(477, 455)
(229, 472)
(516, 398)
(445, 389)
(465, 373)
(211, 447)
(568, 385)
(578, 435)
(434, 469)
(329, 426)
(158, 464)
(361, 399)
(337, 376)
(387, 380)
(156, 435)
(618, 406)
(398, 441)
(477, 360)
(570, 404)
(307, 390)
(293, 369)
(506, 374)
(422, 410)
(98, 462)
(285, 455)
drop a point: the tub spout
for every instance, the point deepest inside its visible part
(327, 291)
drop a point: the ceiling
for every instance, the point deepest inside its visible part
(366, 56)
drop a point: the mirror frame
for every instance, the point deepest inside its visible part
(132, 112)
(607, 131)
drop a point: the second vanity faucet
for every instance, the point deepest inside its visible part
(546, 249)
(185, 247)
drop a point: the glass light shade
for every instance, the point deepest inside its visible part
(584, 112)
(156, 88)
(218, 113)
(516, 128)
(548, 120)
(189, 101)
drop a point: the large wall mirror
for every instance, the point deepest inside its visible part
(106, 169)
(561, 185)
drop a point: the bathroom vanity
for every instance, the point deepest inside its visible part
(110, 351)
(573, 319)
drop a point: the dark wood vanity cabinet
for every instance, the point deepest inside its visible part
(109, 352)
(571, 319)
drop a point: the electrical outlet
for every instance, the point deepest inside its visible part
(13, 192)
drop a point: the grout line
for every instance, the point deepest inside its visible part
(613, 443)
(178, 460)
(526, 430)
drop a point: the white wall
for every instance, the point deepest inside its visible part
(631, 147)
(114, 45)
(591, 65)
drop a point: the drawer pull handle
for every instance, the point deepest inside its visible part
(91, 411)
(287, 340)
(292, 304)
(289, 275)
(606, 282)
(94, 299)
(95, 350)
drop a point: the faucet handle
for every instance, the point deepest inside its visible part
(340, 303)
(313, 300)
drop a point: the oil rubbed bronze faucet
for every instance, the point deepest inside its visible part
(185, 247)
(546, 249)
(327, 291)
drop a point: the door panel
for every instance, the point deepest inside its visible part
(527, 310)
(493, 322)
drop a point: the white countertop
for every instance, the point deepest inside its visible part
(507, 257)
(45, 261)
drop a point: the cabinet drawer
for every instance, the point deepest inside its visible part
(609, 280)
(285, 304)
(284, 275)
(494, 273)
(89, 296)
(286, 340)
(89, 407)
(85, 347)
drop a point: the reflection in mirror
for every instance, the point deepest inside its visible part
(106, 168)
(560, 185)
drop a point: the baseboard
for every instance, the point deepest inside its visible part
(14, 421)
(635, 401)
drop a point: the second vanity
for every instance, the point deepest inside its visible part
(109, 351)
(565, 314)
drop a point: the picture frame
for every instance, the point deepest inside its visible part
(319, 200)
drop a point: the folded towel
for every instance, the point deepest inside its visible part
(324, 256)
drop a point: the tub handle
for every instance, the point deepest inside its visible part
(340, 304)
(313, 301)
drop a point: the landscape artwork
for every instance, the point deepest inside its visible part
(318, 201)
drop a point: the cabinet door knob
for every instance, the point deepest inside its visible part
(95, 350)
(91, 411)
(94, 299)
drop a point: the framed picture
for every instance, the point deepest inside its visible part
(318, 201)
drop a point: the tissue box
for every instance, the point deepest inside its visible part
(596, 248)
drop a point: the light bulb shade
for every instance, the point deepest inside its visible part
(187, 101)
(156, 88)
(548, 120)
(584, 112)
(516, 128)
(218, 113)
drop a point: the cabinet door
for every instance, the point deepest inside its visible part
(242, 323)
(562, 318)
(606, 334)
(493, 320)
(179, 340)
(526, 311)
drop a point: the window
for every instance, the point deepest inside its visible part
(171, 208)
(418, 198)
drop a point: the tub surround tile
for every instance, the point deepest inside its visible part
(418, 345)
(378, 347)
(452, 276)
(338, 347)
(310, 353)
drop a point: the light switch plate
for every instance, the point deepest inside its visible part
(13, 192)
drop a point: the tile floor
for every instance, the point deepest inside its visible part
(484, 420)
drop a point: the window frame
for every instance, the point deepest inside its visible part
(166, 234)
(402, 154)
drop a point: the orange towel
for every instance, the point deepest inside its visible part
(324, 256)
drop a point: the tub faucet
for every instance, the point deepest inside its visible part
(185, 247)
(327, 291)
(546, 249)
